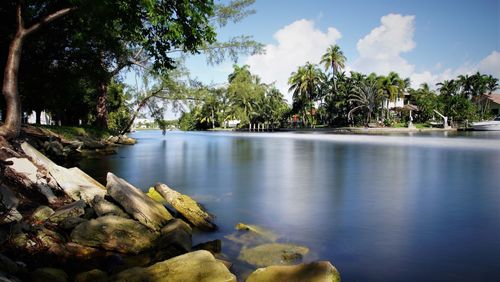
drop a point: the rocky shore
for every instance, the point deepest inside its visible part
(59, 224)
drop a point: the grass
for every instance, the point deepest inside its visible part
(73, 132)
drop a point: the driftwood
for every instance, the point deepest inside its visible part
(186, 206)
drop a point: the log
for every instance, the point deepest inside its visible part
(188, 207)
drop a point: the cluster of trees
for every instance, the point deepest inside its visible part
(245, 99)
(67, 57)
(329, 96)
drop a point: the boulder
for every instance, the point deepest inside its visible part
(75, 209)
(147, 211)
(214, 246)
(186, 206)
(91, 276)
(322, 271)
(273, 254)
(115, 234)
(8, 206)
(71, 222)
(10, 215)
(103, 207)
(177, 233)
(195, 266)
(42, 213)
(7, 265)
(49, 275)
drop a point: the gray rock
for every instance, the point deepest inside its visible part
(71, 222)
(9, 216)
(103, 207)
(125, 140)
(195, 266)
(42, 213)
(214, 246)
(75, 209)
(177, 233)
(7, 198)
(322, 271)
(186, 206)
(76, 184)
(148, 212)
(115, 234)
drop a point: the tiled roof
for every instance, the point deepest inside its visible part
(495, 98)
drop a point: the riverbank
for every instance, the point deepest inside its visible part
(60, 224)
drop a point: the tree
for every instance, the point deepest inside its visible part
(364, 98)
(157, 26)
(304, 84)
(333, 59)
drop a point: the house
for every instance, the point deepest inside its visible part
(398, 103)
(494, 103)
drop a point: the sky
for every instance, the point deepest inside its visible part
(426, 40)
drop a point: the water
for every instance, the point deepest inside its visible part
(380, 208)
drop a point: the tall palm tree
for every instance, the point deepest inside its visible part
(304, 83)
(333, 58)
(448, 87)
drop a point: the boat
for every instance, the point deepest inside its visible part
(491, 125)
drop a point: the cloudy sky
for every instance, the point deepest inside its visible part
(426, 40)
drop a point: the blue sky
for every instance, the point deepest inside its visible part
(425, 40)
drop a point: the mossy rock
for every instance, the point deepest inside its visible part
(273, 254)
(49, 275)
(322, 271)
(156, 196)
(93, 275)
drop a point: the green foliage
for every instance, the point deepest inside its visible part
(73, 132)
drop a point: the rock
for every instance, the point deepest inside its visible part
(71, 222)
(9, 216)
(93, 144)
(76, 184)
(195, 266)
(156, 196)
(272, 254)
(251, 235)
(5, 277)
(91, 276)
(177, 233)
(38, 157)
(75, 209)
(214, 246)
(54, 149)
(49, 275)
(103, 207)
(311, 272)
(112, 139)
(115, 234)
(148, 212)
(125, 140)
(186, 206)
(7, 198)
(42, 213)
(226, 263)
(29, 174)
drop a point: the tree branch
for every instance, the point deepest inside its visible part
(49, 19)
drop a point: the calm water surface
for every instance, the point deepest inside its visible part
(380, 208)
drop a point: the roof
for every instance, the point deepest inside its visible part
(495, 98)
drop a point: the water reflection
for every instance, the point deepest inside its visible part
(379, 211)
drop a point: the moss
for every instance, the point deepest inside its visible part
(156, 196)
(73, 132)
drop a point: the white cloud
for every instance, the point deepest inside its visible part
(491, 64)
(297, 44)
(380, 51)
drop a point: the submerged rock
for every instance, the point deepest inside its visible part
(322, 271)
(186, 206)
(273, 254)
(115, 234)
(251, 235)
(148, 212)
(195, 266)
(177, 233)
(214, 246)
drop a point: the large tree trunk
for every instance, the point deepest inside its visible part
(102, 107)
(12, 124)
(38, 115)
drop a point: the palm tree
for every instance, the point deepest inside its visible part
(304, 83)
(364, 98)
(448, 87)
(333, 58)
